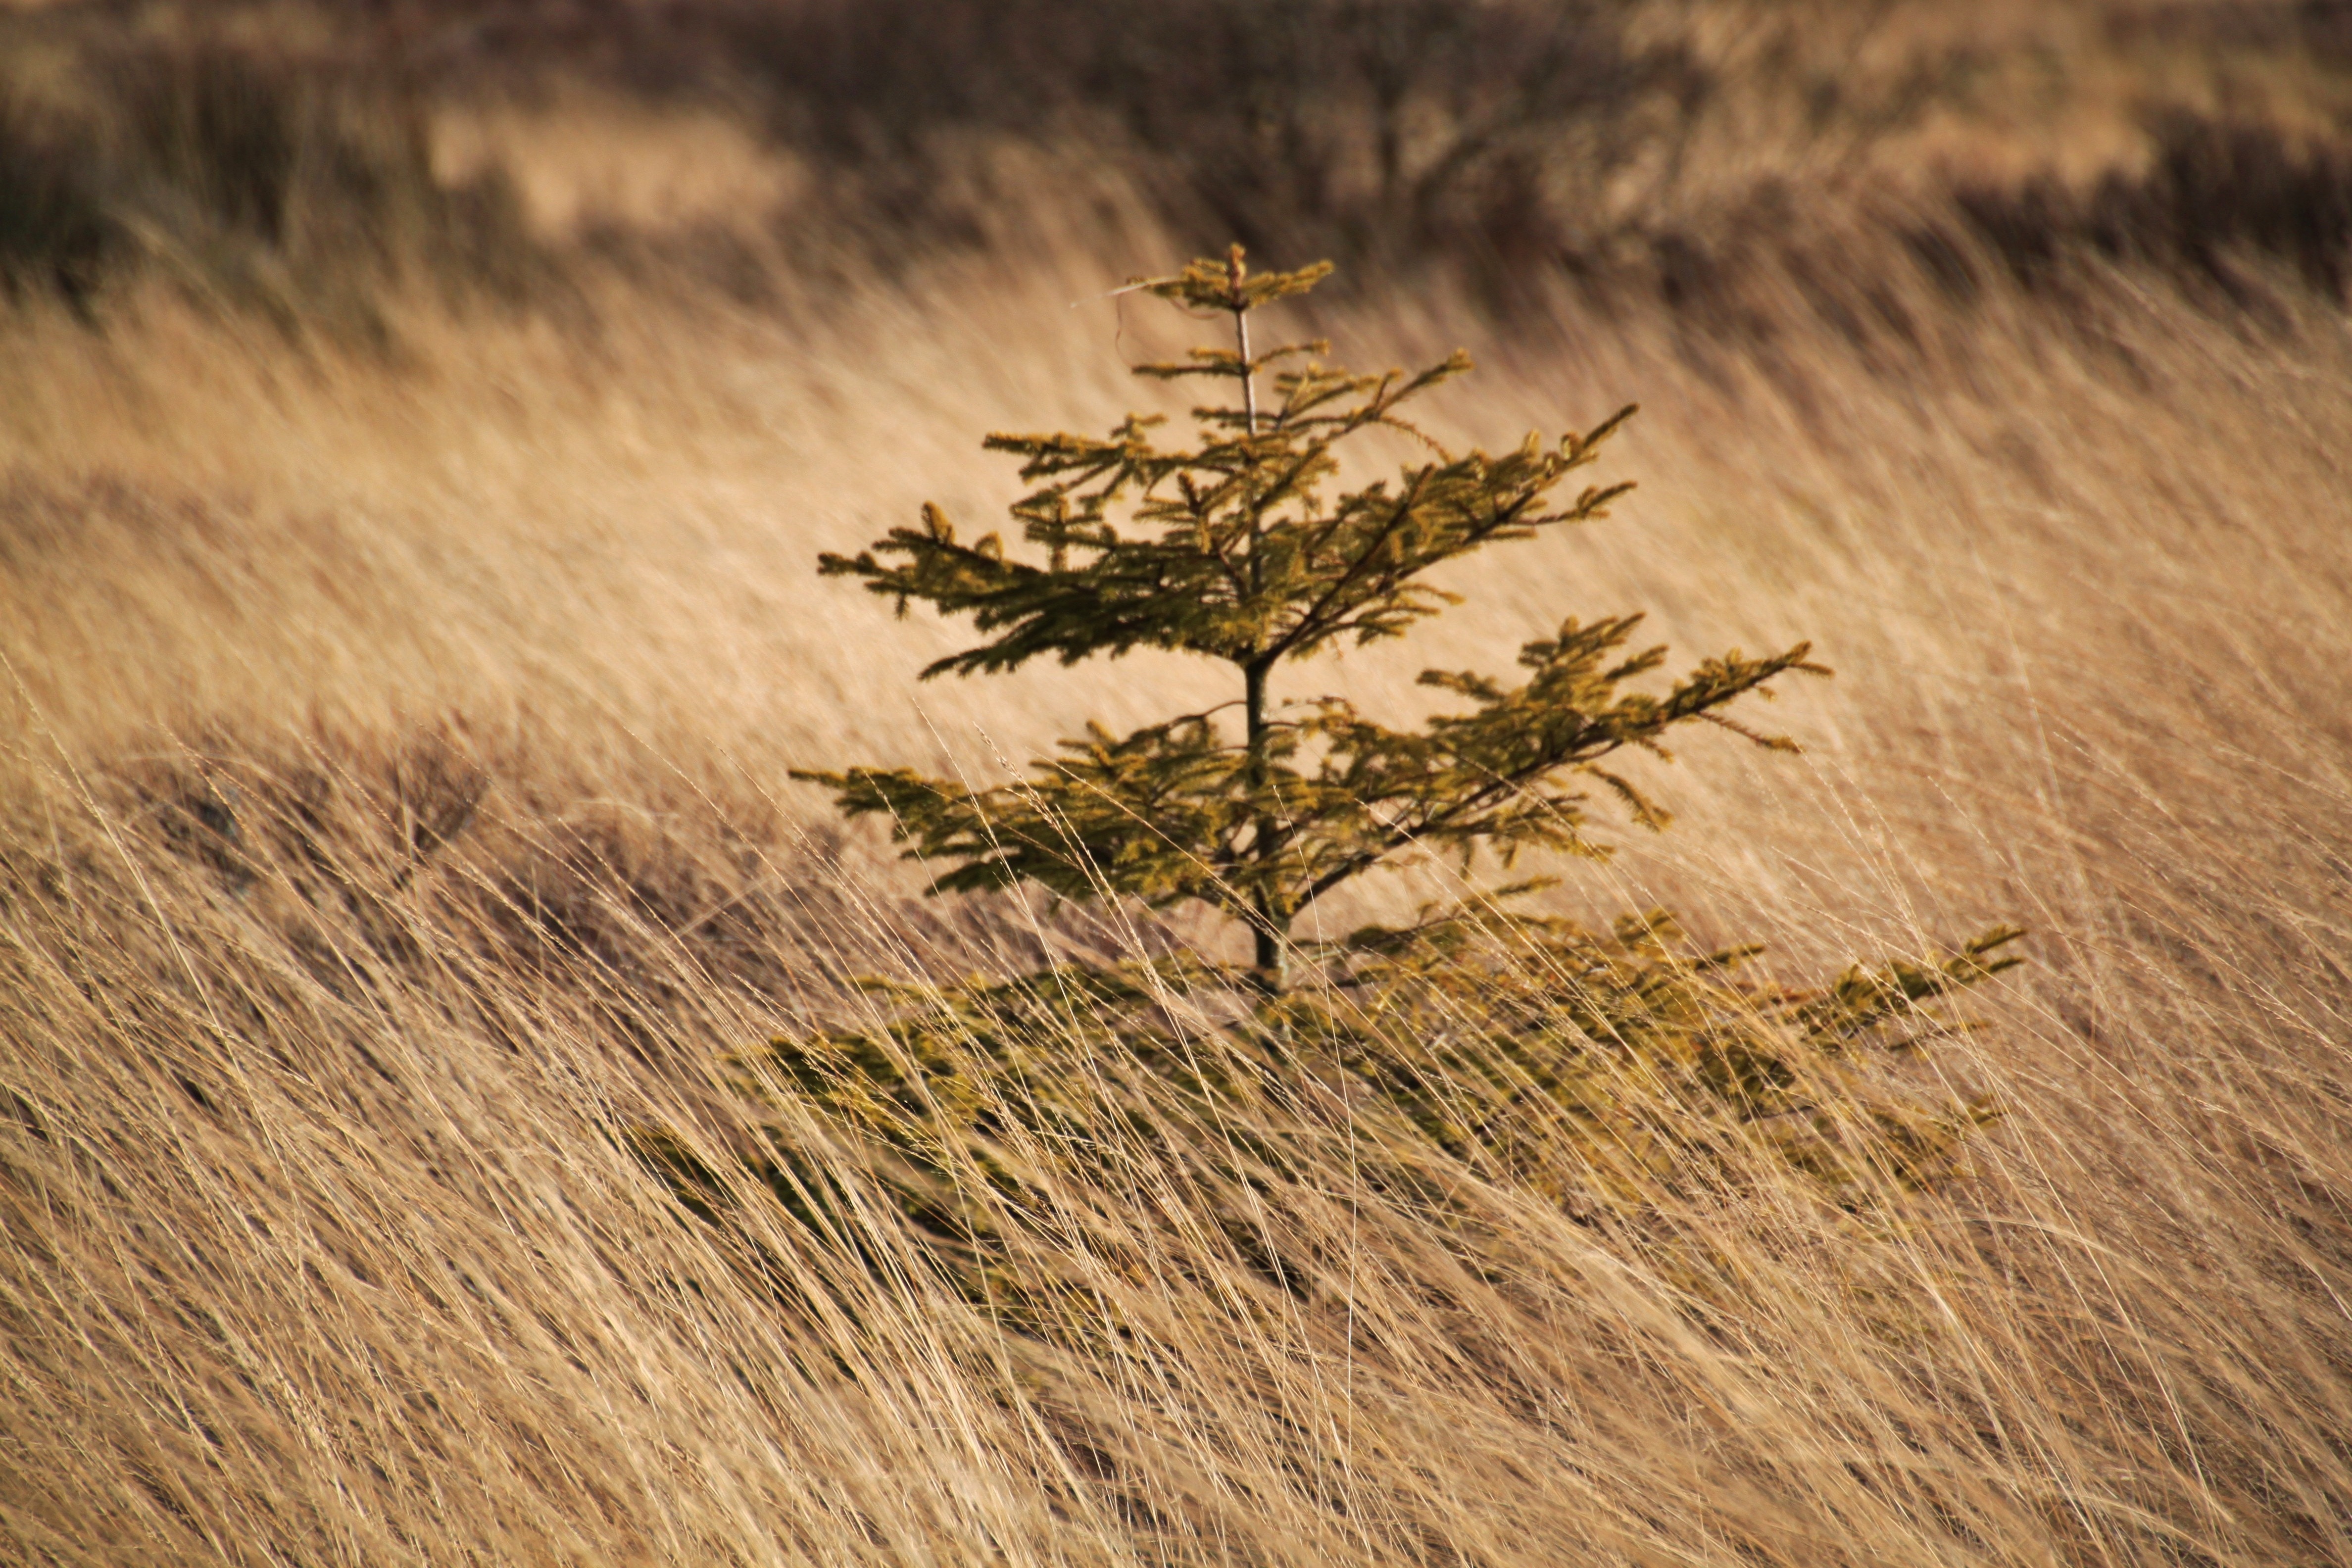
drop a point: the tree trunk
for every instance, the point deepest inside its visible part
(1268, 926)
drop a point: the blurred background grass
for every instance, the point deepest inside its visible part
(420, 424)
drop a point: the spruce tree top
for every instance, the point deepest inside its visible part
(1230, 548)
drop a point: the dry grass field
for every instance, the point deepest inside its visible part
(407, 622)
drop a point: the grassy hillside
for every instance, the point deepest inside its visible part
(408, 618)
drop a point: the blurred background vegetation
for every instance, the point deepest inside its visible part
(1637, 149)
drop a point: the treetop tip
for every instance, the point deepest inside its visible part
(1226, 283)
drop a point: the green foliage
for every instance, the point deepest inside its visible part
(1229, 547)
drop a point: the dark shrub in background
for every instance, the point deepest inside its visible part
(1380, 129)
(259, 180)
(54, 229)
(1346, 125)
(2217, 194)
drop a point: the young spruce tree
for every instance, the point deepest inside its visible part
(1231, 546)
(1610, 1071)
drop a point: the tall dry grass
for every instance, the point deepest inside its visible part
(392, 821)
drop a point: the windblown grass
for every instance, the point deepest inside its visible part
(393, 827)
